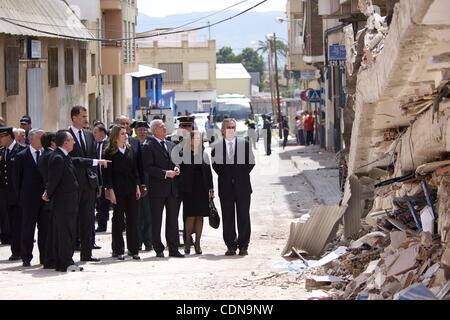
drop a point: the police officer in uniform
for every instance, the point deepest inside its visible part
(186, 126)
(11, 213)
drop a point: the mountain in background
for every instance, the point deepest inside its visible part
(238, 33)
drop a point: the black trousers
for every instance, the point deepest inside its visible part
(236, 205)
(285, 135)
(86, 220)
(50, 254)
(103, 206)
(15, 220)
(64, 229)
(268, 143)
(172, 209)
(126, 206)
(32, 216)
(5, 227)
(309, 137)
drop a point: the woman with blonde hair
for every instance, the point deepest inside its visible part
(121, 180)
(197, 189)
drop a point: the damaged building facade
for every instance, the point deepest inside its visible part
(394, 159)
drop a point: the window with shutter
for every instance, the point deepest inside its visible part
(68, 65)
(53, 78)
(12, 70)
(82, 66)
(174, 72)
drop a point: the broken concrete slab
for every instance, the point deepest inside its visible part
(372, 266)
(427, 220)
(312, 236)
(328, 258)
(397, 238)
(405, 262)
(370, 239)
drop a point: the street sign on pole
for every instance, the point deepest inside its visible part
(336, 52)
(314, 96)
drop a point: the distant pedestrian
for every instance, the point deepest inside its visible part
(309, 126)
(20, 135)
(267, 134)
(285, 128)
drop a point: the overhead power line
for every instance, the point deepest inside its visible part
(156, 34)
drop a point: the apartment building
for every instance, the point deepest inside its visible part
(190, 66)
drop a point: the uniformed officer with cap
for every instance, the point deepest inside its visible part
(11, 215)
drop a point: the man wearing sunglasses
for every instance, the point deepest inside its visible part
(233, 160)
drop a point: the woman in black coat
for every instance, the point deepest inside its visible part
(197, 189)
(121, 180)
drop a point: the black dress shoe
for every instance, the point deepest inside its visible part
(160, 254)
(136, 257)
(176, 254)
(14, 258)
(90, 259)
(26, 264)
(149, 248)
(230, 252)
(49, 266)
(96, 247)
(243, 252)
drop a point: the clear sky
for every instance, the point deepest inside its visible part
(169, 7)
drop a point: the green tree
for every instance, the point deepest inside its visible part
(225, 55)
(251, 60)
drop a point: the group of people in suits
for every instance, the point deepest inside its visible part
(58, 180)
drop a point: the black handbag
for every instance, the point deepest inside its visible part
(214, 218)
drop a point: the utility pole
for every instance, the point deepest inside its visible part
(209, 29)
(277, 85)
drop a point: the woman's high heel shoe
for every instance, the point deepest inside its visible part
(198, 250)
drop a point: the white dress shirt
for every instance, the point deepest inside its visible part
(77, 135)
(33, 153)
(122, 150)
(231, 147)
(64, 151)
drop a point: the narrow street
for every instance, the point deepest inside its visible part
(285, 186)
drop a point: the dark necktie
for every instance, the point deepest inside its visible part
(6, 154)
(38, 153)
(83, 146)
(99, 147)
(163, 145)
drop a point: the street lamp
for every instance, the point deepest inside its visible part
(273, 39)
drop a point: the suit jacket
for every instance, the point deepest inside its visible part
(62, 179)
(7, 182)
(86, 176)
(156, 162)
(237, 175)
(122, 174)
(28, 181)
(102, 156)
(136, 145)
(43, 164)
(187, 175)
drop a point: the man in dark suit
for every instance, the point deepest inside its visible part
(62, 191)
(87, 179)
(103, 204)
(233, 160)
(49, 145)
(163, 188)
(30, 188)
(12, 216)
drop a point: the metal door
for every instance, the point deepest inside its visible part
(35, 97)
